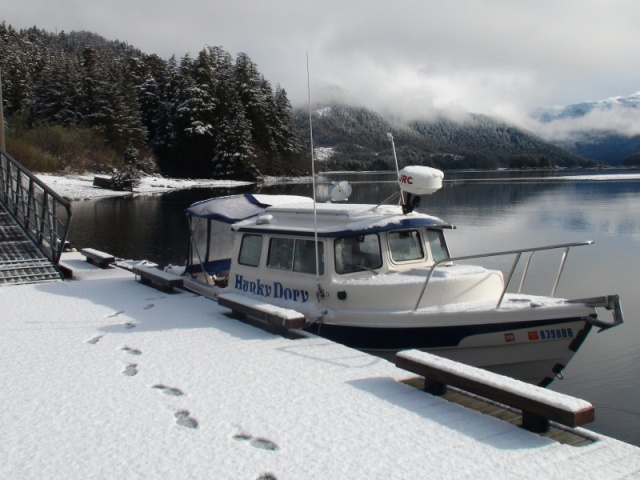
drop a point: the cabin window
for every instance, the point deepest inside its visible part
(437, 244)
(250, 250)
(304, 259)
(405, 246)
(281, 253)
(358, 253)
(295, 255)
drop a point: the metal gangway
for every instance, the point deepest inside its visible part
(34, 224)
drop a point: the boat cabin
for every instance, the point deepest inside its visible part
(367, 256)
(352, 239)
(279, 232)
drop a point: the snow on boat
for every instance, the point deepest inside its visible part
(380, 278)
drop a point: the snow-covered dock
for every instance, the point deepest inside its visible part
(103, 377)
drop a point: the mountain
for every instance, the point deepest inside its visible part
(607, 147)
(605, 130)
(348, 137)
(577, 110)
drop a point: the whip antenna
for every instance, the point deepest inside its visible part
(395, 158)
(313, 181)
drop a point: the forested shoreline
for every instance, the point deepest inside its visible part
(210, 116)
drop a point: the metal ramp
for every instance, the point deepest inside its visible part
(20, 260)
(34, 223)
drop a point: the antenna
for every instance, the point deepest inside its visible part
(321, 293)
(393, 147)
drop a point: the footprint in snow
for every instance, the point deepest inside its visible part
(115, 314)
(176, 392)
(148, 306)
(184, 419)
(94, 340)
(130, 370)
(129, 325)
(263, 443)
(257, 442)
(131, 351)
(267, 476)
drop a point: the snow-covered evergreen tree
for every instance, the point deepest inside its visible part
(206, 116)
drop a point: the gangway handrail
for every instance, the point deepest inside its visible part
(518, 254)
(43, 214)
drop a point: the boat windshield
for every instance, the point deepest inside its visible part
(405, 246)
(437, 244)
(358, 253)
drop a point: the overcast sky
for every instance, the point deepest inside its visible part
(410, 57)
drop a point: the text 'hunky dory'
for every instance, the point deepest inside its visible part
(272, 290)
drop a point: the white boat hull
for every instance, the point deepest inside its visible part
(534, 348)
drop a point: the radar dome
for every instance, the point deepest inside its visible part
(419, 180)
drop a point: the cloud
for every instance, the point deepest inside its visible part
(622, 120)
(413, 57)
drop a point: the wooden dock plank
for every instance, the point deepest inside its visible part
(267, 316)
(98, 258)
(485, 406)
(537, 409)
(158, 278)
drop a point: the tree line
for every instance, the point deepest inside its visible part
(357, 138)
(210, 116)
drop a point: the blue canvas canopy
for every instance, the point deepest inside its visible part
(211, 236)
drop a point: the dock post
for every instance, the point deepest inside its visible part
(434, 387)
(534, 423)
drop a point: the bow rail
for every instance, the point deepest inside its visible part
(518, 255)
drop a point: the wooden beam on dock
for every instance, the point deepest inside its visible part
(538, 406)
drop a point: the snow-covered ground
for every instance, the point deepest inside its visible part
(103, 377)
(80, 187)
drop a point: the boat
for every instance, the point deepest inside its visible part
(381, 279)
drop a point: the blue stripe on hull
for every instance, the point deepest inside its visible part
(365, 338)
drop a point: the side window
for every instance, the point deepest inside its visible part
(405, 246)
(250, 250)
(304, 259)
(295, 255)
(358, 253)
(438, 245)
(280, 253)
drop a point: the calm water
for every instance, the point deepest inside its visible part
(492, 211)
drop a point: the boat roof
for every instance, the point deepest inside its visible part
(233, 208)
(331, 219)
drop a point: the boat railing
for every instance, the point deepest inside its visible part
(44, 215)
(518, 254)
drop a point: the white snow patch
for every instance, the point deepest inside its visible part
(509, 385)
(419, 275)
(262, 305)
(322, 154)
(80, 187)
(108, 378)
